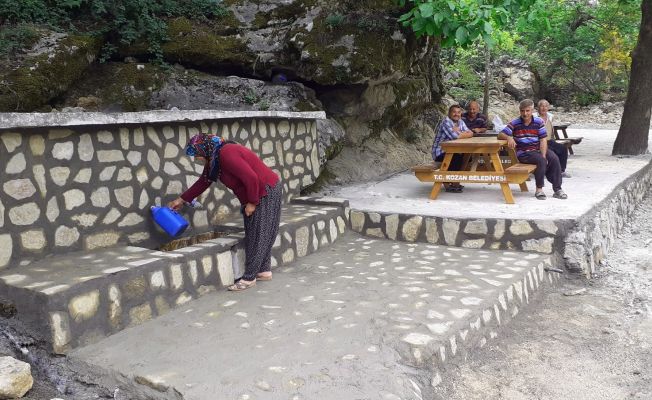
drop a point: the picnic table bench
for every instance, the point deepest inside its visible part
(482, 164)
(566, 141)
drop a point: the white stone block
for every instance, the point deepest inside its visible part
(6, 249)
(85, 147)
(26, 214)
(16, 164)
(105, 137)
(84, 306)
(63, 151)
(110, 156)
(225, 268)
(37, 145)
(74, 198)
(11, 141)
(52, 209)
(19, 189)
(59, 175)
(84, 175)
(125, 196)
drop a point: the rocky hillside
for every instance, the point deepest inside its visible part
(378, 85)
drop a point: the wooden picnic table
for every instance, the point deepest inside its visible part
(566, 141)
(482, 164)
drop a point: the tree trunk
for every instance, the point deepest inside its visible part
(635, 125)
(487, 74)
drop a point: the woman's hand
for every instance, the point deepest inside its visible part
(177, 203)
(249, 209)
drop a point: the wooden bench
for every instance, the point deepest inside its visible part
(566, 141)
(517, 173)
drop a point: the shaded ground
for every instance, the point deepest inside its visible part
(582, 341)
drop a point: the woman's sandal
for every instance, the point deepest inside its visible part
(241, 285)
(260, 277)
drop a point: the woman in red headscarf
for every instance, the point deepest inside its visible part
(254, 184)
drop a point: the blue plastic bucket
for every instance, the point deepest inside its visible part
(171, 221)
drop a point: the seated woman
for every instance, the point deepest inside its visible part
(451, 128)
(559, 149)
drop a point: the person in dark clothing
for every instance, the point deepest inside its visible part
(474, 119)
(527, 134)
(256, 186)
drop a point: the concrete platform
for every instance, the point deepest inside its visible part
(595, 174)
(602, 193)
(75, 299)
(364, 319)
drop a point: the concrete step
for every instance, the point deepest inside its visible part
(367, 318)
(75, 299)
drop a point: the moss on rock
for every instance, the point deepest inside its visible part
(118, 86)
(349, 49)
(46, 76)
(197, 45)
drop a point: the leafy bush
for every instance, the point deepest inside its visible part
(334, 20)
(16, 37)
(587, 98)
(460, 66)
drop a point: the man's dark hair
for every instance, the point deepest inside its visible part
(454, 106)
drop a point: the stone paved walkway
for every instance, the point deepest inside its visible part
(362, 319)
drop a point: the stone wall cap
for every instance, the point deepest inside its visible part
(61, 119)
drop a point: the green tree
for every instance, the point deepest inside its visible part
(461, 22)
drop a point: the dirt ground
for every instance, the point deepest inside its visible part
(583, 340)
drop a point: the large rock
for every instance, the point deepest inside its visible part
(517, 79)
(15, 378)
(46, 71)
(324, 42)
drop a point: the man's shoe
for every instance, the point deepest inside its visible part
(540, 195)
(559, 194)
(565, 175)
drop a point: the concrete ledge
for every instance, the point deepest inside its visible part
(52, 120)
(76, 299)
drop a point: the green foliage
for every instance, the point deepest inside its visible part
(16, 37)
(120, 22)
(334, 20)
(460, 66)
(461, 22)
(251, 97)
(578, 47)
(586, 98)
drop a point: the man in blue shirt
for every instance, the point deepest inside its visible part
(527, 134)
(474, 119)
(451, 128)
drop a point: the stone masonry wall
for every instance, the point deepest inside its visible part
(590, 239)
(541, 236)
(81, 187)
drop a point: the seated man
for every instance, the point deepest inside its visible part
(451, 128)
(528, 135)
(559, 149)
(474, 119)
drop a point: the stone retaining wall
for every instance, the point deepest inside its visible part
(69, 183)
(579, 244)
(541, 236)
(590, 238)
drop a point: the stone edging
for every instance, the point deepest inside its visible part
(53, 120)
(589, 240)
(541, 236)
